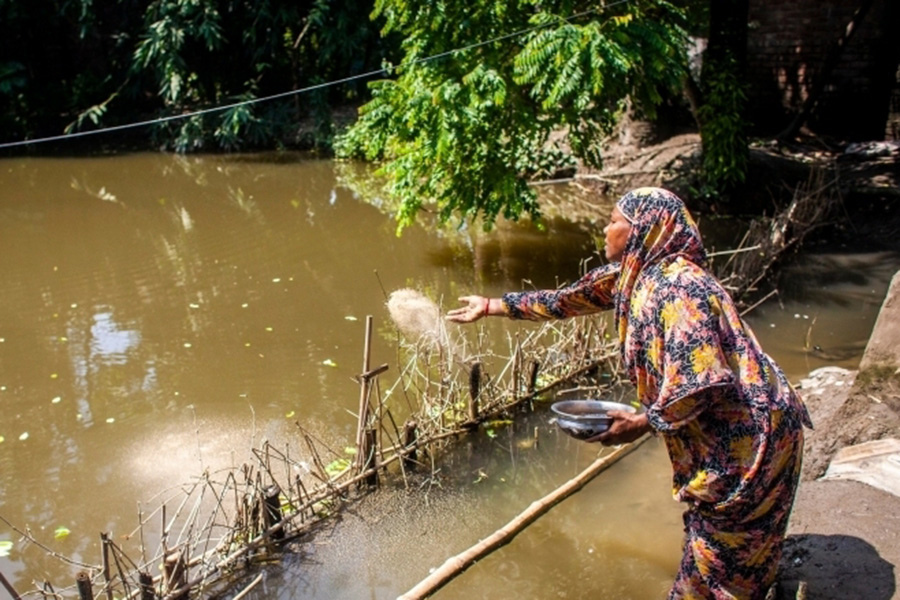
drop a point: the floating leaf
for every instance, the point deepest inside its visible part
(351, 318)
(337, 467)
(329, 363)
(290, 414)
(187, 344)
(269, 329)
(61, 532)
(111, 420)
(23, 437)
(5, 547)
(56, 400)
(276, 280)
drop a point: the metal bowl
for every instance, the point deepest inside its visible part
(583, 419)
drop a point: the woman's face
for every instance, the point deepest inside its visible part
(616, 233)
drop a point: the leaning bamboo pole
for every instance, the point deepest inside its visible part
(456, 565)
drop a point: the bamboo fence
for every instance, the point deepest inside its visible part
(216, 531)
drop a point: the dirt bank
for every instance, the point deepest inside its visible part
(843, 533)
(842, 537)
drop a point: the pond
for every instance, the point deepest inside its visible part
(162, 315)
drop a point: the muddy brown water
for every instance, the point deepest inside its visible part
(161, 315)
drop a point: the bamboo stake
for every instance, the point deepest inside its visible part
(9, 588)
(145, 581)
(83, 582)
(362, 451)
(457, 564)
(104, 543)
(474, 391)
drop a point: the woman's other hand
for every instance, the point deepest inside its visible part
(626, 427)
(475, 308)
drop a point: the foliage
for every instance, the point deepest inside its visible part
(467, 120)
(723, 133)
(77, 64)
(724, 99)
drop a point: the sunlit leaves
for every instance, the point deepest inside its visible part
(725, 154)
(336, 467)
(467, 131)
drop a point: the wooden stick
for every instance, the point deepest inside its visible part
(9, 588)
(104, 543)
(249, 587)
(457, 564)
(362, 451)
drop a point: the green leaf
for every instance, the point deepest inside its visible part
(337, 467)
(61, 533)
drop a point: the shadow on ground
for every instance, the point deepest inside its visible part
(835, 566)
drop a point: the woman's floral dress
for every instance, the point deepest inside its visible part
(732, 423)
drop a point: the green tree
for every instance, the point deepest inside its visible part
(723, 104)
(202, 54)
(73, 65)
(467, 120)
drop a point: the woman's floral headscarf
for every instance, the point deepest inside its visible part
(661, 227)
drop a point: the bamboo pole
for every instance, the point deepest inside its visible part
(145, 582)
(83, 581)
(474, 391)
(457, 564)
(104, 542)
(9, 588)
(272, 510)
(362, 451)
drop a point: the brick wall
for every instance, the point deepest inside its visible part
(788, 42)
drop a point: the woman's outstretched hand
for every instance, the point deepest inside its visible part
(475, 308)
(626, 427)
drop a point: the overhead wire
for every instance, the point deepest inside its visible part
(382, 71)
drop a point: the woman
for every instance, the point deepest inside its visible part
(732, 423)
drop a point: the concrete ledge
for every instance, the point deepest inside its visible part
(883, 350)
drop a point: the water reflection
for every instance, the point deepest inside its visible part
(161, 315)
